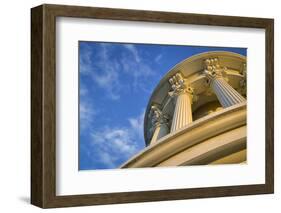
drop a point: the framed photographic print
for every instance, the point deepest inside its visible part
(136, 106)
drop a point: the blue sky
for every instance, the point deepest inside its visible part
(115, 84)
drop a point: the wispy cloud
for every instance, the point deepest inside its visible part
(139, 70)
(137, 124)
(87, 114)
(108, 64)
(117, 140)
(134, 52)
(114, 145)
(116, 81)
(98, 65)
(108, 73)
(158, 58)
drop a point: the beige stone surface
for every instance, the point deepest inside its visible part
(197, 132)
(192, 70)
(211, 149)
(197, 114)
(237, 157)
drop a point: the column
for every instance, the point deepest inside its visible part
(183, 95)
(243, 82)
(225, 93)
(159, 124)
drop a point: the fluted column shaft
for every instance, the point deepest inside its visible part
(159, 124)
(183, 112)
(225, 93)
(183, 95)
(160, 131)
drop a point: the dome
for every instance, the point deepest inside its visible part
(191, 69)
(197, 113)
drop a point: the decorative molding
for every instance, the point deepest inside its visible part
(219, 122)
(159, 121)
(243, 82)
(213, 69)
(179, 86)
(157, 116)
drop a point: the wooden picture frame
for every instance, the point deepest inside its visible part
(43, 105)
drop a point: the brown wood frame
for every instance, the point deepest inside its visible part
(43, 105)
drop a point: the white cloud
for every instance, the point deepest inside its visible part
(158, 58)
(133, 50)
(107, 159)
(87, 113)
(84, 60)
(101, 69)
(105, 72)
(140, 72)
(115, 140)
(106, 69)
(115, 143)
(137, 124)
(83, 91)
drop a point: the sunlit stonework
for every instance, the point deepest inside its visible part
(197, 114)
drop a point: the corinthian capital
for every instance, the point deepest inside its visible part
(178, 85)
(157, 116)
(243, 82)
(213, 68)
(177, 82)
(243, 70)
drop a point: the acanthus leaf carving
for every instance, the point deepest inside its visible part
(213, 69)
(157, 116)
(179, 86)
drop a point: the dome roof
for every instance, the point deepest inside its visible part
(191, 69)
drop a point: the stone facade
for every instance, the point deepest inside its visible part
(197, 114)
